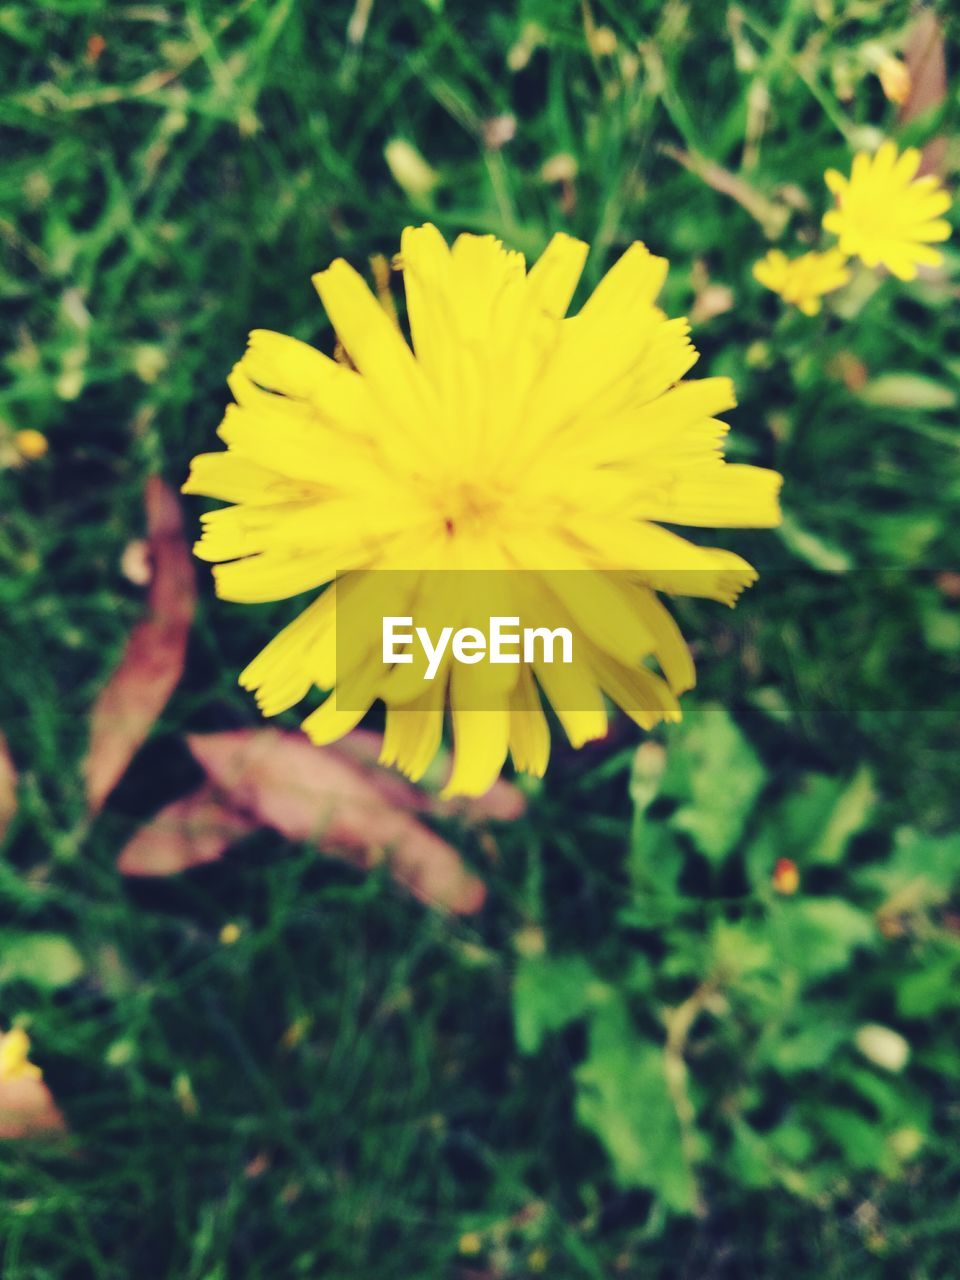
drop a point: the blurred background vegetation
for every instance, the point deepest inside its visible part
(706, 1025)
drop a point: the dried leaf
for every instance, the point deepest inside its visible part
(196, 829)
(8, 787)
(27, 1108)
(927, 67)
(279, 779)
(152, 662)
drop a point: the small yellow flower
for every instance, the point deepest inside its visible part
(804, 280)
(470, 1244)
(230, 933)
(894, 76)
(30, 444)
(885, 214)
(14, 1057)
(409, 169)
(786, 876)
(508, 437)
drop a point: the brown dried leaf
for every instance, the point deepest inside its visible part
(27, 1108)
(280, 780)
(196, 829)
(152, 662)
(8, 787)
(927, 66)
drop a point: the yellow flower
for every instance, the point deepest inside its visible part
(14, 1057)
(510, 438)
(804, 280)
(885, 214)
(895, 79)
(786, 876)
(31, 444)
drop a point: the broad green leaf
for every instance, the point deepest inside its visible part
(655, 863)
(849, 813)
(792, 1141)
(749, 1158)
(740, 949)
(814, 823)
(622, 1096)
(819, 819)
(721, 776)
(862, 1141)
(816, 936)
(930, 990)
(941, 629)
(921, 872)
(45, 959)
(548, 993)
(808, 1047)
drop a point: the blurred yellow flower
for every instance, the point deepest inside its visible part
(409, 169)
(14, 1057)
(804, 280)
(510, 438)
(30, 444)
(786, 876)
(885, 214)
(894, 76)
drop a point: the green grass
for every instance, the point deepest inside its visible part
(155, 206)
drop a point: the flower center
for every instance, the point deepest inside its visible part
(469, 505)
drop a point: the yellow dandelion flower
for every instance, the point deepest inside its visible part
(15, 1061)
(509, 438)
(804, 280)
(885, 214)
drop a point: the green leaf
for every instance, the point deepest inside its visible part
(749, 1158)
(46, 959)
(931, 989)
(809, 1047)
(817, 936)
(548, 993)
(622, 1096)
(908, 391)
(849, 813)
(921, 872)
(719, 775)
(941, 630)
(738, 950)
(814, 823)
(862, 1141)
(813, 549)
(655, 863)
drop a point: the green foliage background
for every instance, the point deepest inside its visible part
(641, 1059)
